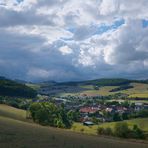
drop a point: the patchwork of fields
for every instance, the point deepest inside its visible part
(139, 90)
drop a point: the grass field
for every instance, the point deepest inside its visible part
(141, 122)
(19, 134)
(11, 112)
(33, 86)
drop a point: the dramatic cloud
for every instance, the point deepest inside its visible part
(73, 40)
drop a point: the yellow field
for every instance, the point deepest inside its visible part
(102, 91)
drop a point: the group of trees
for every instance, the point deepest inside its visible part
(17, 102)
(139, 114)
(112, 82)
(122, 87)
(125, 116)
(46, 113)
(122, 130)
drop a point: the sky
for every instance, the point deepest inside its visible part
(72, 40)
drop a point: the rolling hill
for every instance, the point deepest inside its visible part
(102, 87)
(16, 131)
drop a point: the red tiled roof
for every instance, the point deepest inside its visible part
(88, 110)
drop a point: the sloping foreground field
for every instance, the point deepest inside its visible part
(11, 112)
(15, 133)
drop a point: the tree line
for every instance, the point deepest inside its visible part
(122, 130)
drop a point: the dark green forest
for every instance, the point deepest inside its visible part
(15, 89)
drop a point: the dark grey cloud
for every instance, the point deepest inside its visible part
(14, 18)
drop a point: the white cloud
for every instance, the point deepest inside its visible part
(108, 7)
(65, 50)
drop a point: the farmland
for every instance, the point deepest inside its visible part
(139, 90)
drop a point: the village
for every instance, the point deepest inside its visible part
(91, 110)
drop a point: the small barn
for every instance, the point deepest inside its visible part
(88, 123)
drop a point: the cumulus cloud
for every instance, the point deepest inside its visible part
(65, 50)
(73, 40)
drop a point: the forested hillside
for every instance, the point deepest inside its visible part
(15, 89)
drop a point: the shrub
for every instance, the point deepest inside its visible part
(100, 131)
(108, 131)
(121, 130)
(104, 131)
(116, 117)
(137, 133)
(82, 130)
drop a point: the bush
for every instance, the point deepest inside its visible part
(121, 130)
(104, 131)
(137, 133)
(116, 117)
(108, 131)
(82, 130)
(125, 116)
(100, 131)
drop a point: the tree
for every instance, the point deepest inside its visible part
(33, 109)
(125, 116)
(41, 116)
(73, 115)
(95, 120)
(46, 113)
(125, 104)
(64, 117)
(116, 117)
(143, 113)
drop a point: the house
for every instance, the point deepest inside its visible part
(138, 106)
(146, 106)
(88, 123)
(89, 110)
(121, 109)
(108, 109)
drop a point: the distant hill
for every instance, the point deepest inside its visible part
(101, 82)
(15, 89)
(103, 87)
